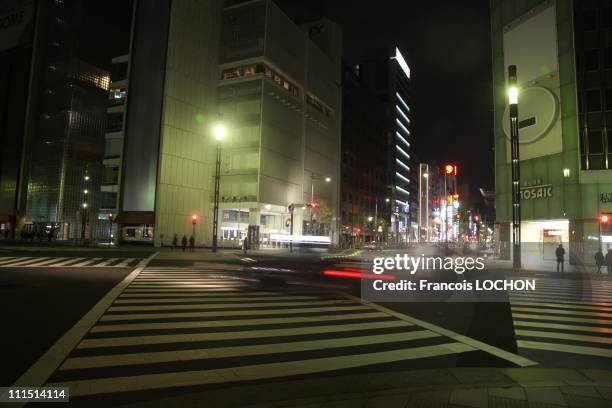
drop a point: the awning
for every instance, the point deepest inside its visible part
(135, 217)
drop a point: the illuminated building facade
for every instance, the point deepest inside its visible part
(386, 71)
(279, 99)
(565, 112)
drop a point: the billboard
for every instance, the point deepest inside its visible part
(16, 23)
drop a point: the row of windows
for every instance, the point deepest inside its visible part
(588, 20)
(252, 69)
(592, 99)
(593, 60)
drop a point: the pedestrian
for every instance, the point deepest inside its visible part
(191, 243)
(184, 243)
(245, 245)
(560, 252)
(609, 260)
(174, 242)
(599, 260)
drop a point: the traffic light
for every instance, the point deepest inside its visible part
(476, 218)
(313, 204)
(458, 216)
(290, 208)
(449, 168)
(110, 216)
(604, 218)
(194, 219)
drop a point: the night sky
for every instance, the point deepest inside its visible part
(447, 45)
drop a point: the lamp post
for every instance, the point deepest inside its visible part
(194, 221)
(219, 134)
(313, 177)
(516, 175)
(110, 230)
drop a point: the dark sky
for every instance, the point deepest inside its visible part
(447, 45)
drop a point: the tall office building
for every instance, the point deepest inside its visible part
(58, 136)
(159, 157)
(565, 112)
(365, 194)
(280, 100)
(386, 71)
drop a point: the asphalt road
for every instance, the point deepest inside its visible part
(40, 304)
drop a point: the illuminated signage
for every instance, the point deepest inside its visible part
(534, 190)
(402, 62)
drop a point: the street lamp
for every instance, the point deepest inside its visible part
(603, 219)
(194, 221)
(513, 93)
(110, 230)
(219, 134)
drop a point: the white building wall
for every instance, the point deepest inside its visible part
(187, 144)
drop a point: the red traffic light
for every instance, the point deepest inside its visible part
(110, 216)
(449, 169)
(476, 218)
(313, 204)
(603, 218)
(194, 218)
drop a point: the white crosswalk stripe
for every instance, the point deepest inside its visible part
(564, 316)
(66, 262)
(208, 327)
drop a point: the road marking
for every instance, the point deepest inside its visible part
(476, 344)
(254, 372)
(564, 348)
(205, 299)
(40, 371)
(29, 260)
(301, 310)
(562, 312)
(105, 328)
(564, 336)
(49, 261)
(561, 318)
(202, 293)
(125, 262)
(514, 299)
(251, 334)
(87, 262)
(108, 261)
(600, 330)
(197, 306)
(563, 306)
(12, 259)
(69, 261)
(239, 351)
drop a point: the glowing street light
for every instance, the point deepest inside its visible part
(513, 93)
(219, 132)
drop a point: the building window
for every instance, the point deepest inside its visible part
(595, 142)
(587, 20)
(608, 58)
(591, 60)
(609, 99)
(593, 100)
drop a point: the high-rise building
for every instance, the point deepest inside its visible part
(565, 116)
(58, 136)
(386, 71)
(364, 189)
(159, 159)
(279, 97)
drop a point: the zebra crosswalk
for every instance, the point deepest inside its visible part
(565, 316)
(29, 261)
(179, 327)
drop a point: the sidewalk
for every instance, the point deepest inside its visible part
(439, 388)
(570, 271)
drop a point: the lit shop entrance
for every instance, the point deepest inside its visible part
(539, 240)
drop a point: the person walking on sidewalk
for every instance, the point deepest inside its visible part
(184, 242)
(191, 243)
(609, 260)
(560, 253)
(599, 260)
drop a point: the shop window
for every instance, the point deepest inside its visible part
(591, 60)
(593, 100)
